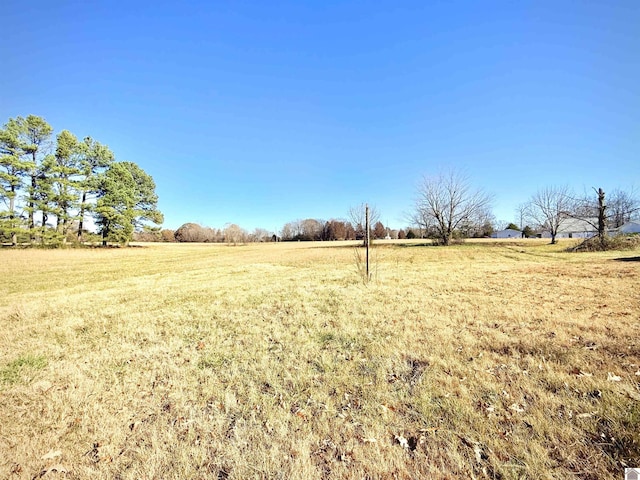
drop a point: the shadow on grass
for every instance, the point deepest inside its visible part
(422, 244)
(342, 244)
(627, 259)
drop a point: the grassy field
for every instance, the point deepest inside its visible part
(482, 360)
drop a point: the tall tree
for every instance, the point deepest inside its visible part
(35, 134)
(447, 201)
(549, 207)
(44, 198)
(65, 171)
(56, 192)
(126, 199)
(145, 199)
(13, 169)
(95, 158)
(115, 206)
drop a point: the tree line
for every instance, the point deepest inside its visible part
(309, 229)
(448, 207)
(51, 189)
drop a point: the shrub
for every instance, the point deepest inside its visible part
(619, 242)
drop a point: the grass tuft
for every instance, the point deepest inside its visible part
(21, 367)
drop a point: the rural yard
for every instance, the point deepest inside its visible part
(488, 359)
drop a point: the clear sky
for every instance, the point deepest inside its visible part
(260, 113)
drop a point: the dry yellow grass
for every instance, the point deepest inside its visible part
(484, 360)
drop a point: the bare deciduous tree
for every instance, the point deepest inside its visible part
(592, 213)
(357, 215)
(233, 234)
(448, 201)
(260, 235)
(602, 212)
(312, 229)
(293, 230)
(287, 232)
(521, 214)
(549, 207)
(622, 206)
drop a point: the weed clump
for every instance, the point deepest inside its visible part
(596, 244)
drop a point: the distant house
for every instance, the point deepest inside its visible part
(507, 233)
(629, 227)
(574, 228)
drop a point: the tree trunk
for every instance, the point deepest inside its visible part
(81, 221)
(12, 206)
(43, 230)
(31, 203)
(61, 227)
(601, 217)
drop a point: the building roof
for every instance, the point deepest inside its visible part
(629, 227)
(509, 231)
(577, 225)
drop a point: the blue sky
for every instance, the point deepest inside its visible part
(260, 113)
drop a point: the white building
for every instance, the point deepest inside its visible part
(507, 233)
(574, 228)
(629, 227)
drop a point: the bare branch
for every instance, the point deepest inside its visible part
(448, 201)
(549, 207)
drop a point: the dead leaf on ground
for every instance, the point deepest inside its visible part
(586, 415)
(51, 454)
(404, 443)
(478, 451)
